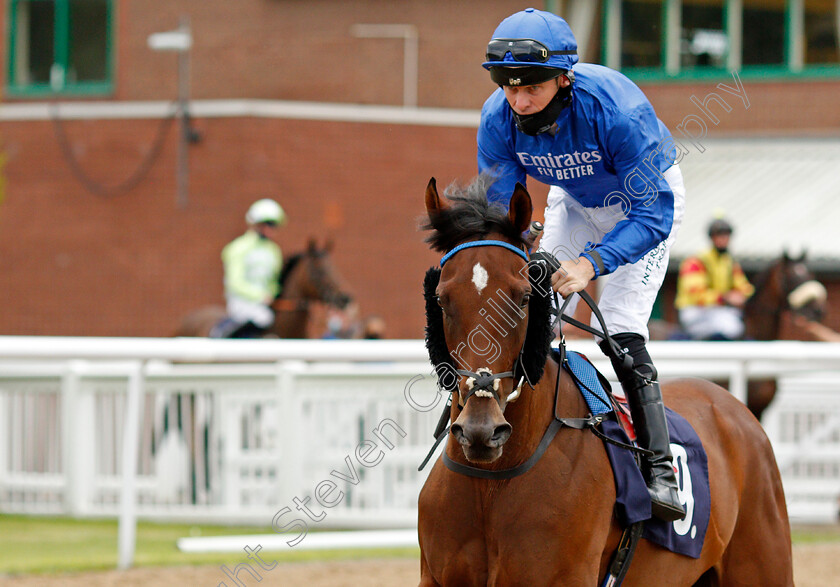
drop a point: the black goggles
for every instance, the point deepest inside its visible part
(527, 50)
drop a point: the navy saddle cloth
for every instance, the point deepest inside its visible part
(684, 536)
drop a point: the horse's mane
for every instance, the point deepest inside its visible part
(288, 267)
(761, 279)
(469, 217)
(759, 282)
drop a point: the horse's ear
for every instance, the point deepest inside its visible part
(434, 203)
(802, 256)
(521, 208)
(785, 256)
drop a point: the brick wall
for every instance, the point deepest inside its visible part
(72, 263)
(78, 264)
(296, 50)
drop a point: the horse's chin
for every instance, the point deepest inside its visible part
(482, 454)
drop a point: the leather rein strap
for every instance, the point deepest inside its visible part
(550, 432)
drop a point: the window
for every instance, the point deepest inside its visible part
(822, 30)
(655, 39)
(764, 32)
(703, 40)
(60, 46)
(641, 39)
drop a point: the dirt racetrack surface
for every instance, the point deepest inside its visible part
(814, 565)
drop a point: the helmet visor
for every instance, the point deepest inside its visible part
(524, 50)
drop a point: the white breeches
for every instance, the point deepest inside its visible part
(701, 322)
(628, 294)
(243, 311)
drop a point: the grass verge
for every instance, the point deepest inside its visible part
(58, 545)
(38, 545)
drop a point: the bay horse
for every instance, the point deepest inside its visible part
(556, 524)
(787, 286)
(307, 277)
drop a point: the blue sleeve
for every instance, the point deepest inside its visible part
(496, 157)
(632, 142)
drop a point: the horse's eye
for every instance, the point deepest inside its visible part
(439, 303)
(525, 299)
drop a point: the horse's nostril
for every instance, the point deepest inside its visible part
(501, 434)
(458, 432)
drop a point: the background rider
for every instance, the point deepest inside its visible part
(712, 290)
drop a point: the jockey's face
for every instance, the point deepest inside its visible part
(532, 99)
(720, 241)
(266, 229)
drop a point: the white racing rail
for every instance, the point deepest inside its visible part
(246, 431)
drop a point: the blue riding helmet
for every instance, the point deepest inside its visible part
(549, 30)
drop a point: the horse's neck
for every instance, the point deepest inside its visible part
(292, 307)
(762, 316)
(292, 322)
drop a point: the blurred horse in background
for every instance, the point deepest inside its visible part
(786, 286)
(184, 421)
(307, 277)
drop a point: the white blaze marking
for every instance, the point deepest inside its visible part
(479, 277)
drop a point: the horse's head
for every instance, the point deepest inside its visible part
(789, 281)
(483, 332)
(311, 276)
(786, 285)
(802, 293)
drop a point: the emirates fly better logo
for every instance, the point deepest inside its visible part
(563, 166)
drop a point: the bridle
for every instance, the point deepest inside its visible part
(483, 382)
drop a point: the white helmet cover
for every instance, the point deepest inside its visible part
(265, 210)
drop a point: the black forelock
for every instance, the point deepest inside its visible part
(469, 217)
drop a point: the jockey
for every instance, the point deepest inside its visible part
(712, 290)
(615, 203)
(252, 264)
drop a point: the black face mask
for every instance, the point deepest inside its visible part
(542, 121)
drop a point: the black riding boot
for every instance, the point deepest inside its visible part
(648, 411)
(225, 328)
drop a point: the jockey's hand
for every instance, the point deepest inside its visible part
(734, 298)
(572, 276)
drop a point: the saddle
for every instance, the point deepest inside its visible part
(685, 536)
